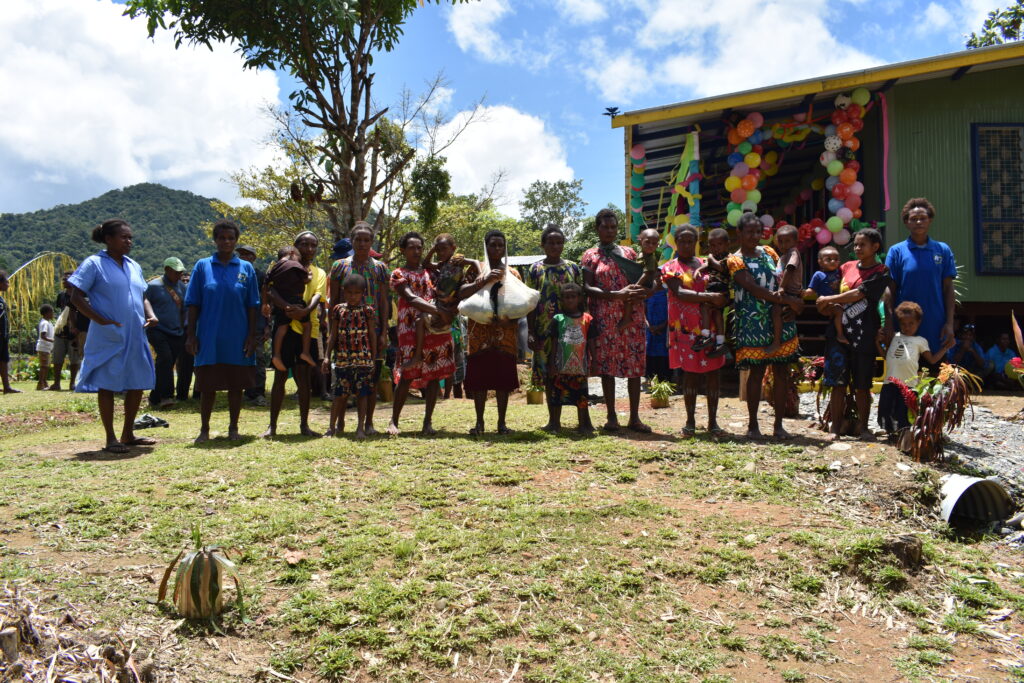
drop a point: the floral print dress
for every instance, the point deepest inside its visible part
(616, 353)
(438, 352)
(684, 321)
(753, 317)
(548, 280)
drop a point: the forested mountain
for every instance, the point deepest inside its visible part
(165, 221)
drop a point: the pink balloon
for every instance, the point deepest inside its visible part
(767, 220)
(857, 188)
(845, 215)
(823, 237)
(806, 195)
(741, 169)
(756, 118)
(739, 195)
(842, 237)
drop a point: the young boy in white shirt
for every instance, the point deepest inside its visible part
(44, 346)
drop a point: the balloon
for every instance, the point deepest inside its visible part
(857, 213)
(817, 184)
(843, 101)
(739, 195)
(754, 196)
(853, 144)
(744, 147)
(745, 128)
(830, 130)
(756, 119)
(854, 111)
(853, 201)
(823, 237)
(734, 158)
(857, 188)
(748, 182)
(842, 237)
(789, 209)
(834, 142)
(845, 130)
(838, 116)
(840, 191)
(756, 136)
(806, 195)
(637, 153)
(771, 170)
(826, 158)
(834, 167)
(858, 125)
(734, 137)
(734, 217)
(771, 157)
(749, 206)
(834, 224)
(731, 183)
(853, 164)
(848, 176)
(756, 172)
(845, 215)
(753, 160)
(835, 204)
(767, 220)
(830, 182)
(861, 96)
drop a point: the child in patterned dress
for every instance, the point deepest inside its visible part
(353, 345)
(572, 343)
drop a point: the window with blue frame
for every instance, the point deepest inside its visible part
(998, 198)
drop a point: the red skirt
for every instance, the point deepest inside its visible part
(491, 370)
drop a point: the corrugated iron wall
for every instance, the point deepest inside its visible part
(930, 156)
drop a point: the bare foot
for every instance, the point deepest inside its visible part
(203, 437)
(12, 390)
(551, 428)
(832, 436)
(841, 338)
(754, 432)
(370, 431)
(867, 435)
(269, 434)
(278, 364)
(393, 429)
(339, 432)
(503, 430)
(780, 433)
(428, 430)
(330, 432)
(772, 348)
(585, 430)
(360, 434)
(611, 425)
(306, 431)
(639, 427)
(307, 358)
(478, 430)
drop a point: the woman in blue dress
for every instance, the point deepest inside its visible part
(223, 300)
(117, 357)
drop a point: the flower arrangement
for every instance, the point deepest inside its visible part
(936, 405)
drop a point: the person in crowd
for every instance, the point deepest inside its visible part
(186, 361)
(44, 345)
(644, 273)
(864, 283)
(901, 362)
(446, 274)
(352, 346)
(790, 274)
(453, 384)
(256, 395)
(308, 244)
(753, 269)
(68, 339)
(716, 272)
(223, 300)
(572, 341)
(5, 332)
(967, 352)
(491, 347)
(923, 271)
(414, 288)
(360, 260)
(285, 284)
(998, 355)
(825, 282)
(166, 295)
(687, 281)
(547, 276)
(657, 365)
(109, 289)
(618, 352)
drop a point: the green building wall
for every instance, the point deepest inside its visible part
(930, 156)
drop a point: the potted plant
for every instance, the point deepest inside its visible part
(199, 583)
(660, 392)
(534, 394)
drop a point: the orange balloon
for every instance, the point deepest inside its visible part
(848, 176)
(748, 182)
(745, 128)
(734, 137)
(857, 213)
(853, 144)
(845, 130)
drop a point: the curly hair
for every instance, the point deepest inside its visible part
(225, 224)
(747, 219)
(916, 203)
(411, 235)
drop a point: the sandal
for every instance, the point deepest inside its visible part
(639, 427)
(717, 352)
(118, 448)
(140, 441)
(718, 433)
(702, 343)
(688, 432)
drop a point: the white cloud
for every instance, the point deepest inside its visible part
(620, 75)
(973, 13)
(472, 24)
(508, 140)
(89, 99)
(936, 18)
(582, 11)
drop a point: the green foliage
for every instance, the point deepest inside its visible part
(430, 184)
(585, 236)
(468, 218)
(166, 223)
(1001, 26)
(559, 203)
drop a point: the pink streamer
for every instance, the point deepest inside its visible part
(885, 149)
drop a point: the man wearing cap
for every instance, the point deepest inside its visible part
(257, 394)
(166, 295)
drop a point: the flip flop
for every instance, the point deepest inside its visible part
(140, 441)
(718, 433)
(687, 432)
(118, 448)
(609, 427)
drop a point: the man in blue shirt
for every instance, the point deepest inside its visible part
(166, 295)
(923, 271)
(968, 354)
(999, 355)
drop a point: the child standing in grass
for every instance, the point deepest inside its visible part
(572, 344)
(44, 346)
(647, 260)
(353, 344)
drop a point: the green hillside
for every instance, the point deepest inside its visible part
(166, 223)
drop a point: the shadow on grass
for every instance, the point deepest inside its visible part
(223, 442)
(100, 455)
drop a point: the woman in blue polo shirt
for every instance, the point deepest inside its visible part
(223, 301)
(923, 271)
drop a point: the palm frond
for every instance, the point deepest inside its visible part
(34, 283)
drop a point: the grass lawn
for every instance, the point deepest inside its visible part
(524, 558)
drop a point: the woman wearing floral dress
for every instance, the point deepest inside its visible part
(617, 353)
(415, 291)
(752, 268)
(547, 277)
(686, 294)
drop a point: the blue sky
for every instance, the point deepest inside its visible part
(93, 105)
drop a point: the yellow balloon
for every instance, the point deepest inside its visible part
(731, 183)
(818, 184)
(681, 219)
(771, 170)
(771, 157)
(753, 159)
